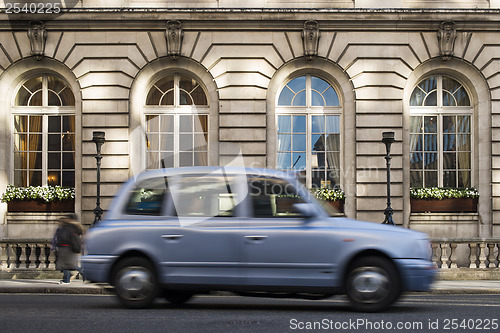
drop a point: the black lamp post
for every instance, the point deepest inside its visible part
(388, 139)
(98, 139)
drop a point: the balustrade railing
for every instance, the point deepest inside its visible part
(478, 252)
(26, 255)
(446, 253)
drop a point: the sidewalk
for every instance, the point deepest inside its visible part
(32, 286)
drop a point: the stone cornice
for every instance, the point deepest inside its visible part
(260, 19)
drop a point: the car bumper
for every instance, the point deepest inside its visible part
(417, 274)
(97, 268)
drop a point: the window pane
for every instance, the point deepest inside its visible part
(184, 98)
(273, 198)
(68, 124)
(152, 141)
(430, 124)
(317, 99)
(185, 159)
(200, 159)
(201, 123)
(68, 160)
(53, 178)
(286, 97)
(20, 142)
(54, 143)
(449, 161)
(462, 97)
(297, 84)
(20, 161)
(54, 124)
(449, 179)
(463, 124)
(28, 89)
(299, 124)
(284, 142)
(284, 124)
(68, 178)
(416, 125)
(167, 98)
(449, 142)
(300, 99)
(430, 142)
(284, 161)
(416, 142)
(431, 99)
(332, 124)
(35, 178)
(333, 142)
(464, 179)
(299, 142)
(54, 99)
(20, 178)
(35, 124)
(152, 123)
(331, 97)
(21, 123)
(166, 142)
(431, 161)
(153, 160)
(463, 142)
(318, 124)
(186, 142)
(431, 178)
(159, 89)
(416, 161)
(166, 160)
(464, 161)
(54, 160)
(167, 123)
(299, 161)
(186, 123)
(449, 124)
(318, 142)
(416, 179)
(200, 142)
(68, 142)
(35, 142)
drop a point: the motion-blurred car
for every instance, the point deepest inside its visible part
(179, 232)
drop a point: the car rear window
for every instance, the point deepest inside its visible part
(147, 197)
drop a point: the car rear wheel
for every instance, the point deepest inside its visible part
(372, 284)
(135, 282)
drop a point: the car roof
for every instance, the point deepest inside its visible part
(215, 170)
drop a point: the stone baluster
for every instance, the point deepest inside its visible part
(491, 255)
(453, 255)
(435, 257)
(473, 255)
(38, 251)
(20, 254)
(444, 256)
(52, 259)
(4, 256)
(482, 255)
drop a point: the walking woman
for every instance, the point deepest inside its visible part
(67, 243)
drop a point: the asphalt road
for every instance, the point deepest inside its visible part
(101, 313)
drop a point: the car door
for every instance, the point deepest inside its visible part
(205, 247)
(281, 247)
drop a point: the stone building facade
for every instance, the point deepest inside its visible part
(262, 83)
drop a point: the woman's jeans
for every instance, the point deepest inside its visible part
(67, 274)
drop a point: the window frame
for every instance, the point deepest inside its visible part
(439, 112)
(308, 110)
(177, 110)
(44, 111)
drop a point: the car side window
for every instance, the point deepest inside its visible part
(205, 196)
(273, 197)
(147, 197)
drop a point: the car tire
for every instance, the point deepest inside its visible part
(135, 281)
(372, 284)
(177, 297)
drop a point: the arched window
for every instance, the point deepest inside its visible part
(441, 146)
(308, 130)
(176, 118)
(44, 132)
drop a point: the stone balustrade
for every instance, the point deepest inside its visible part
(483, 253)
(480, 252)
(26, 255)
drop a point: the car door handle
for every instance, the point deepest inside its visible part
(255, 238)
(172, 237)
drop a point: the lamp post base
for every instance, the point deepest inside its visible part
(388, 216)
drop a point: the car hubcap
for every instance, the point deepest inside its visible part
(369, 285)
(135, 283)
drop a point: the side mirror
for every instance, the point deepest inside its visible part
(307, 210)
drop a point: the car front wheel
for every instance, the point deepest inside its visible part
(135, 282)
(372, 284)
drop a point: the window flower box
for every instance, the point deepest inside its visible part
(443, 200)
(39, 199)
(335, 197)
